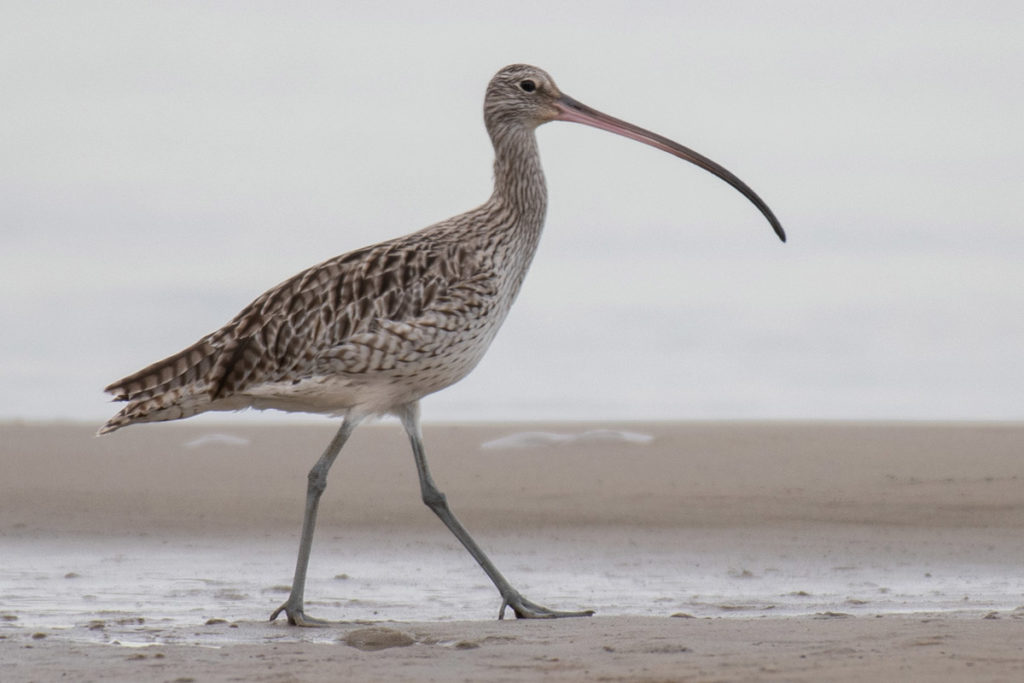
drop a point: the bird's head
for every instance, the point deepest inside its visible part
(523, 96)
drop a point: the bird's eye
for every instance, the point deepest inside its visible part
(528, 85)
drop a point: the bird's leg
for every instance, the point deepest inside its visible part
(293, 606)
(436, 501)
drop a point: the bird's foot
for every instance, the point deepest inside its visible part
(297, 615)
(525, 609)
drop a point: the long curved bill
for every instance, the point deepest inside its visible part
(571, 110)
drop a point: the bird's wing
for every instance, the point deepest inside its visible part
(366, 311)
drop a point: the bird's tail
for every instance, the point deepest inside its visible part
(172, 388)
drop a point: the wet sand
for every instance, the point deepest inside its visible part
(711, 551)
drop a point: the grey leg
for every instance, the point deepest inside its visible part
(436, 501)
(293, 606)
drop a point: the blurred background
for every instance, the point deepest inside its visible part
(162, 164)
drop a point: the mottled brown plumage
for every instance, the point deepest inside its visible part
(370, 329)
(374, 330)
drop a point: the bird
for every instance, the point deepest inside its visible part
(371, 332)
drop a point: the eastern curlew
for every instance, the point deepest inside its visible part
(373, 331)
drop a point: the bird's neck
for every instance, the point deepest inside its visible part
(518, 178)
(515, 211)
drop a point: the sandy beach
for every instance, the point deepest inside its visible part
(710, 551)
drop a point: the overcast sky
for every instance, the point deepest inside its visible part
(162, 164)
